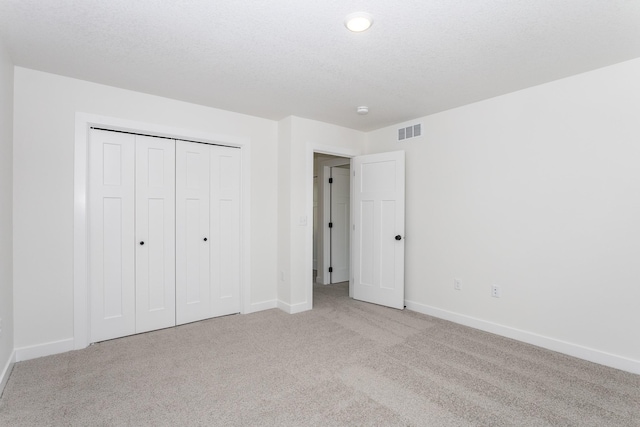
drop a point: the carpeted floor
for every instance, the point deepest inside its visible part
(345, 363)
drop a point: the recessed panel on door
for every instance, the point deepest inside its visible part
(114, 288)
(196, 269)
(111, 234)
(155, 233)
(365, 237)
(388, 252)
(193, 294)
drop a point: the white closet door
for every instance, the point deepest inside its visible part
(111, 234)
(155, 233)
(225, 230)
(193, 295)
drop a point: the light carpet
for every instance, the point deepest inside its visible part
(345, 363)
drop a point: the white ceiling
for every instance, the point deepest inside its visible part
(275, 58)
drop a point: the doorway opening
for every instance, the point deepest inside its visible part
(376, 225)
(331, 219)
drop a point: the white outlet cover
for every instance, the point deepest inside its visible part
(495, 291)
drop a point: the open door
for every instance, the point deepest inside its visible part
(378, 228)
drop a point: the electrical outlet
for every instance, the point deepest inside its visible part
(457, 284)
(495, 291)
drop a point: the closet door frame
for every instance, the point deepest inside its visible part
(83, 123)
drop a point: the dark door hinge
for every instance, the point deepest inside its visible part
(330, 180)
(330, 269)
(330, 225)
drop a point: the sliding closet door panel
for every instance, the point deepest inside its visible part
(225, 230)
(155, 231)
(193, 296)
(111, 234)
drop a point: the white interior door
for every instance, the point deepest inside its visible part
(225, 230)
(340, 220)
(111, 234)
(378, 249)
(155, 233)
(193, 295)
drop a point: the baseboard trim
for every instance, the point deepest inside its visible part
(292, 308)
(575, 350)
(261, 306)
(6, 371)
(46, 349)
(323, 280)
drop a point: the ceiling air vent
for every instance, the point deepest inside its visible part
(408, 132)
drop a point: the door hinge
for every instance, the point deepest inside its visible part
(330, 180)
(330, 269)
(330, 225)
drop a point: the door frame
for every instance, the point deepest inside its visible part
(320, 149)
(83, 123)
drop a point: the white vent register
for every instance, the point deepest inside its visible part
(408, 132)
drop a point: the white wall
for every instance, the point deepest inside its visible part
(45, 107)
(6, 214)
(537, 191)
(299, 138)
(284, 214)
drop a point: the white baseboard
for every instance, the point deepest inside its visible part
(6, 371)
(264, 305)
(293, 308)
(321, 280)
(46, 349)
(575, 350)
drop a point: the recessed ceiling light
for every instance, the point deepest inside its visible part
(358, 22)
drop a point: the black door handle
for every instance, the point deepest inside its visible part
(205, 239)
(141, 243)
(398, 237)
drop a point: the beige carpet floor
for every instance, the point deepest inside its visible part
(345, 363)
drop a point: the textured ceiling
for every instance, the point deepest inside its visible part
(275, 58)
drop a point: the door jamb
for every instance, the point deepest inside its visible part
(321, 149)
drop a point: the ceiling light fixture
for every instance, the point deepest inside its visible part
(362, 110)
(358, 22)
